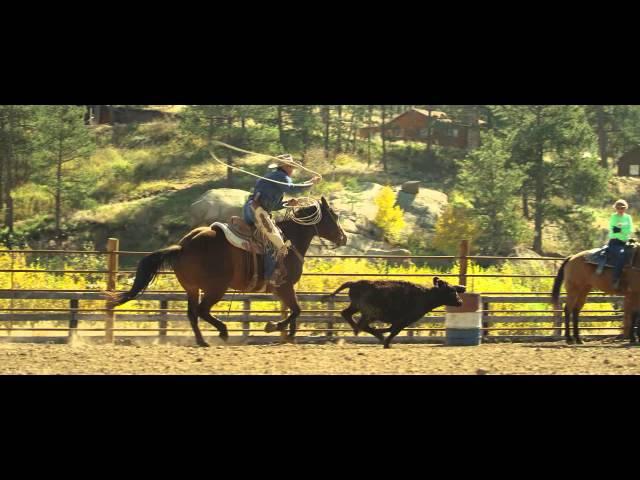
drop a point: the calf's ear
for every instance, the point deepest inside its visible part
(461, 288)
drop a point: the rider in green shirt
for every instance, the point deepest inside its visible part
(620, 230)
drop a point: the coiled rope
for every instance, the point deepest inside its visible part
(290, 162)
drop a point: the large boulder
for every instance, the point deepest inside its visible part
(217, 205)
(423, 208)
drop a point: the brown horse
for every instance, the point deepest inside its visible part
(580, 278)
(204, 260)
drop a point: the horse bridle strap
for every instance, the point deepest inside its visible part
(295, 250)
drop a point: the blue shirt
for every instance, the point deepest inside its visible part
(271, 194)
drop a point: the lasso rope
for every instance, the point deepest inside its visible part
(311, 219)
(289, 162)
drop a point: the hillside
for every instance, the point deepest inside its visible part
(148, 175)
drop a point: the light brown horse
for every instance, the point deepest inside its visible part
(204, 260)
(580, 278)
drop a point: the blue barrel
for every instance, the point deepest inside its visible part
(463, 337)
(463, 324)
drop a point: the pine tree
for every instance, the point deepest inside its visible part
(62, 140)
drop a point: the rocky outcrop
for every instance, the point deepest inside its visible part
(357, 214)
(217, 205)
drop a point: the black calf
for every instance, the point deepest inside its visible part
(396, 302)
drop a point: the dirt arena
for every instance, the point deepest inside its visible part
(596, 357)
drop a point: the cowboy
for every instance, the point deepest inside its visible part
(266, 198)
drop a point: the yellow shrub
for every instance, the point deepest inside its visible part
(389, 217)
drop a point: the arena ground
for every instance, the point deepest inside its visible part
(549, 358)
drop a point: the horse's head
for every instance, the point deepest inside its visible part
(329, 226)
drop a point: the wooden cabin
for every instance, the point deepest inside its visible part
(417, 124)
(629, 163)
(108, 114)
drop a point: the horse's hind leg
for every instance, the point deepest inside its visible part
(577, 306)
(567, 320)
(209, 300)
(192, 313)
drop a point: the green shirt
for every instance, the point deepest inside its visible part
(624, 223)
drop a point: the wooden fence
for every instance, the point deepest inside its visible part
(498, 321)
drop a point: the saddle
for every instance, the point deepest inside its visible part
(595, 255)
(241, 235)
(245, 237)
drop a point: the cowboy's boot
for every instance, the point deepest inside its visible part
(602, 261)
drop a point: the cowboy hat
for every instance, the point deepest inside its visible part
(284, 159)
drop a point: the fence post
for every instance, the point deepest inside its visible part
(330, 306)
(464, 253)
(112, 267)
(485, 321)
(246, 326)
(162, 323)
(73, 321)
(557, 319)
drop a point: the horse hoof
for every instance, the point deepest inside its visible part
(570, 341)
(203, 344)
(579, 341)
(270, 327)
(224, 337)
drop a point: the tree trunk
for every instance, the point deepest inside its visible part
(326, 121)
(58, 188)
(280, 127)
(245, 132)
(603, 140)
(382, 134)
(429, 131)
(525, 205)
(539, 192)
(339, 130)
(2, 162)
(353, 128)
(229, 155)
(305, 132)
(8, 218)
(369, 135)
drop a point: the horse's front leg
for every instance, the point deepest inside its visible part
(635, 327)
(288, 296)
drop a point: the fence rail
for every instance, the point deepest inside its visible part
(325, 319)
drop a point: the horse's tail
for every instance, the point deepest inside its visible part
(557, 283)
(340, 288)
(146, 273)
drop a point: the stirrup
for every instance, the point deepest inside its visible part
(278, 279)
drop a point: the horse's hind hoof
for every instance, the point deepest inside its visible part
(203, 344)
(270, 327)
(570, 341)
(224, 337)
(579, 341)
